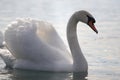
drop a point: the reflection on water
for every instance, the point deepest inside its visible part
(37, 75)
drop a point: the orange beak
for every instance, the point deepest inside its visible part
(91, 24)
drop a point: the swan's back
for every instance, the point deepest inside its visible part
(36, 41)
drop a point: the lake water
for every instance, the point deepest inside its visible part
(102, 50)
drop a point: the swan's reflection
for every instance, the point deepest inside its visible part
(36, 75)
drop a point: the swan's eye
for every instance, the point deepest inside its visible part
(91, 19)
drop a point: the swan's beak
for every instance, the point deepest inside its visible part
(91, 24)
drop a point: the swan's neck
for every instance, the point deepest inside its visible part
(79, 61)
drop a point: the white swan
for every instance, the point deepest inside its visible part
(35, 45)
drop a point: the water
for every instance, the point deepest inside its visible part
(101, 51)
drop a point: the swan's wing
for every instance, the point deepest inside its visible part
(36, 45)
(36, 38)
(48, 34)
(44, 30)
(7, 58)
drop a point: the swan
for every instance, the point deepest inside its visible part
(35, 45)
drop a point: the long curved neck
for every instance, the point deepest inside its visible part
(79, 61)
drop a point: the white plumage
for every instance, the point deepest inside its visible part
(35, 45)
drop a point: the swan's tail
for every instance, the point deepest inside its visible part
(7, 58)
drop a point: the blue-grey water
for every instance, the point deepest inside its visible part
(102, 50)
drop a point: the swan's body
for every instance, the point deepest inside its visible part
(35, 45)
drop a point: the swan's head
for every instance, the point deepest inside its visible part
(87, 18)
